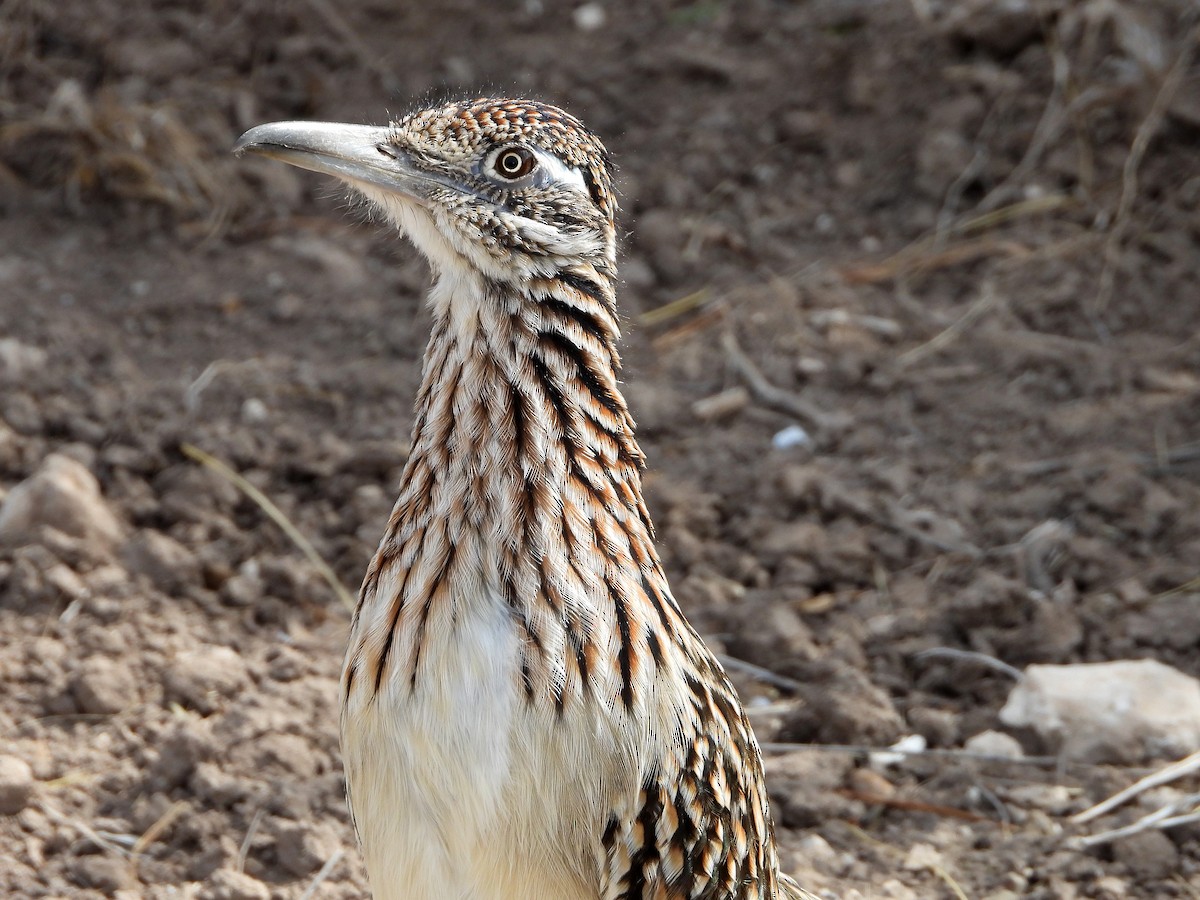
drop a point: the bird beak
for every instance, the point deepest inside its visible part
(360, 154)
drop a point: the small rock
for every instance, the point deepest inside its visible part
(162, 559)
(302, 849)
(871, 785)
(818, 853)
(18, 359)
(721, 406)
(1055, 799)
(805, 788)
(214, 784)
(808, 540)
(924, 857)
(938, 726)
(803, 130)
(1116, 712)
(188, 743)
(246, 587)
(791, 436)
(589, 17)
(226, 884)
(995, 743)
(63, 581)
(1169, 621)
(104, 873)
(104, 686)
(286, 663)
(1149, 855)
(16, 785)
(770, 632)
(908, 747)
(845, 709)
(801, 483)
(61, 494)
(254, 411)
(200, 678)
(1003, 27)
(288, 754)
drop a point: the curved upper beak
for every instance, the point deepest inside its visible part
(354, 153)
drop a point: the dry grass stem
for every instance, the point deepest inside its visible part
(251, 830)
(987, 297)
(954, 886)
(1165, 775)
(1168, 816)
(104, 843)
(323, 873)
(1041, 762)
(1133, 161)
(674, 309)
(930, 253)
(154, 832)
(276, 515)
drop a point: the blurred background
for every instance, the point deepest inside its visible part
(911, 297)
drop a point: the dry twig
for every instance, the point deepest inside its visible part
(972, 656)
(764, 675)
(910, 805)
(775, 397)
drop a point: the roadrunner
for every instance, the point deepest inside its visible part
(526, 713)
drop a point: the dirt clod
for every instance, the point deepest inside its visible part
(227, 884)
(201, 678)
(16, 785)
(1150, 855)
(62, 495)
(103, 686)
(302, 849)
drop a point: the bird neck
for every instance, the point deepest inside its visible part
(523, 489)
(520, 415)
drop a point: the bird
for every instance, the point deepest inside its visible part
(525, 710)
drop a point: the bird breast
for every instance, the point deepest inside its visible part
(462, 789)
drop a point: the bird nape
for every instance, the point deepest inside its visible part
(526, 713)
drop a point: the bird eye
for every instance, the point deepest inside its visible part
(514, 162)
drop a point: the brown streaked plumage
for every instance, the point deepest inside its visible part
(526, 711)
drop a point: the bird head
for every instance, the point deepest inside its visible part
(510, 190)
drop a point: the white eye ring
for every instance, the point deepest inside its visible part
(513, 163)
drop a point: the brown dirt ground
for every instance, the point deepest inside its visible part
(921, 219)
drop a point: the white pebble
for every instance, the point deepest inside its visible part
(254, 411)
(792, 436)
(590, 17)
